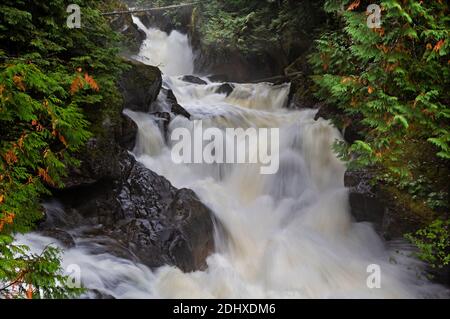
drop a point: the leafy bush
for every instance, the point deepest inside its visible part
(433, 243)
(393, 82)
(252, 25)
(48, 75)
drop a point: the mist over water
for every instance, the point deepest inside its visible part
(287, 235)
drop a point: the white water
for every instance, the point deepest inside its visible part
(287, 235)
(167, 53)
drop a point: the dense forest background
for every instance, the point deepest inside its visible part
(388, 86)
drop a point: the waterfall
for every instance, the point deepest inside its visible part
(166, 52)
(288, 235)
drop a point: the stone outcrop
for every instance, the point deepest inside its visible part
(378, 205)
(142, 216)
(225, 88)
(124, 208)
(193, 79)
(140, 86)
(176, 108)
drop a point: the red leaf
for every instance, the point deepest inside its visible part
(91, 82)
(29, 292)
(439, 45)
(43, 173)
(17, 79)
(353, 5)
(76, 85)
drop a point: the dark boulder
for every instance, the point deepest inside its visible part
(225, 88)
(177, 109)
(388, 211)
(98, 161)
(364, 204)
(171, 98)
(233, 64)
(163, 120)
(378, 204)
(219, 78)
(127, 138)
(193, 79)
(142, 217)
(140, 86)
(159, 223)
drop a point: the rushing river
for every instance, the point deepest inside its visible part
(285, 235)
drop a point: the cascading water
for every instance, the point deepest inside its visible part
(286, 235)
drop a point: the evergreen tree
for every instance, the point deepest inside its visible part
(394, 80)
(49, 74)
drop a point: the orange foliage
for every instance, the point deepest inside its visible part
(439, 45)
(383, 48)
(76, 85)
(17, 79)
(29, 292)
(62, 139)
(21, 140)
(91, 82)
(79, 82)
(353, 5)
(43, 173)
(38, 126)
(8, 219)
(380, 31)
(11, 157)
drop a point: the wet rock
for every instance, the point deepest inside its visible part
(193, 79)
(140, 86)
(177, 109)
(143, 218)
(98, 161)
(62, 236)
(374, 204)
(364, 204)
(193, 242)
(225, 88)
(127, 138)
(171, 98)
(233, 64)
(159, 223)
(387, 213)
(163, 119)
(97, 294)
(219, 78)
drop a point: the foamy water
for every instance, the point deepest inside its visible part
(288, 235)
